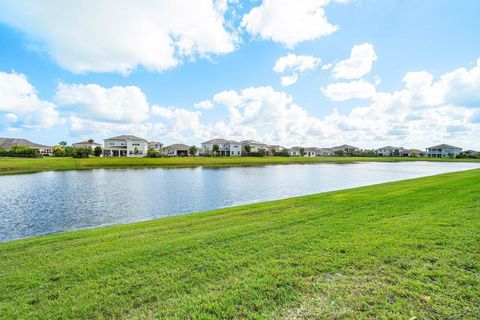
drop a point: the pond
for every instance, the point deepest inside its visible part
(49, 202)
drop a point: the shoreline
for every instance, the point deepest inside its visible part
(12, 166)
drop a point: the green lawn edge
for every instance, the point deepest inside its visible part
(396, 250)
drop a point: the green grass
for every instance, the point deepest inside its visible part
(25, 165)
(392, 251)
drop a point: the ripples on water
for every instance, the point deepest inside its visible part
(47, 202)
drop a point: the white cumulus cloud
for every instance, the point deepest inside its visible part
(289, 21)
(117, 103)
(358, 64)
(204, 105)
(356, 89)
(295, 65)
(121, 35)
(22, 106)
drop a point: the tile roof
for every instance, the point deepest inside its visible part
(7, 143)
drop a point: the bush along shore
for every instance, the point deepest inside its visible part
(405, 250)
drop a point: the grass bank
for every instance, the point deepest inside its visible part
(27, 165)
(397, 250)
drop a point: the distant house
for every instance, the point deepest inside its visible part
(471, 154)
(88, 144)
(345, 148)
(8, 143)
(294, 151)
(275, 148)
(255, 146)
(155, 145)
(443, 151)
(176, 150)
(125, 146)
(227, 148)
(412, 153)
(390, 151)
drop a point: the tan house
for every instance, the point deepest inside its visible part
(88, 144)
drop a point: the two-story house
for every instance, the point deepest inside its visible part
(227, 148)
(443, 151)
(390, 151)
(125, 146)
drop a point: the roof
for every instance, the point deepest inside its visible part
(220, 141)
(343, 147)
(155, 142)
(8, 143)
(179, 146)
(412, 150)
(444, 146)
(87, 142)
(126, 137)
(390, 148)
(253, 142)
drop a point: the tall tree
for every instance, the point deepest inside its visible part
(62, 143)
(192, 150)
(215, 149)
(247, 148)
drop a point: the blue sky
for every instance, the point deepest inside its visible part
(368, 73)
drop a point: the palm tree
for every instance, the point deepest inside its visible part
(192, 150)
(90, 141)
(62, 143)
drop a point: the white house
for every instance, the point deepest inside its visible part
(88, 144)
(227, 148)
(390, 151)
(294, 151)
(443, 151)
(125, 146)
(8, 143)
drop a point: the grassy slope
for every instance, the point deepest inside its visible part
(22, 165)
(396, 250)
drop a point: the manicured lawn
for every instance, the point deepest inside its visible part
(25, 165)
(398, 250)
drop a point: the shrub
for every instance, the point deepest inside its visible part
(20, 151)
(153, 153)
(59, 151)
(82, 152)
(97, 151)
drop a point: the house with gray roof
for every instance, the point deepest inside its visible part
(390, 151)
(8, 143)
(125, 146)
(227, 148)
(88, 144)
(176, 150)
(345, 148)
(443, 151)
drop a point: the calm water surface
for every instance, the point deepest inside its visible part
(48, 202)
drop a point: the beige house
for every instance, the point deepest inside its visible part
(89, 144)
(125, 146)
